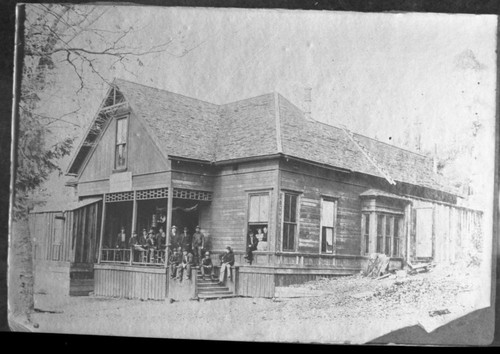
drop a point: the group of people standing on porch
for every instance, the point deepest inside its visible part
(186, 250)
(151, 241)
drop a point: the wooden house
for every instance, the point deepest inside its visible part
(324, 197)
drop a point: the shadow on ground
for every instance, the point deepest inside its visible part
(476, 328)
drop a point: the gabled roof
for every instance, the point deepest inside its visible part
(181, 126)
(262, 126)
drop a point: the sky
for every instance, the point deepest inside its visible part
(394, 77)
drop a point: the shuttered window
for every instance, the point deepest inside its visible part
(259, 208)
(258, 215)
(328, 225)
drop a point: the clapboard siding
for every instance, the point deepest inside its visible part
(42, 230)
(91, 188)
(143, 155)
(255, 285)
(101, 161)
(79, 238)
(192, 175)
(151, 180)
(228, 210)
(130, 282)
(456, 234)
(313, 184)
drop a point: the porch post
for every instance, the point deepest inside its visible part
(102, 227)
(407, 231)
(134, 223)
(169, 219)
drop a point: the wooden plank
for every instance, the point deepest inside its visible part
(101, 237)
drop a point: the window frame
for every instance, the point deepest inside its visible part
(125, 144)
(365, 232)
(386, 235)
(335, 224)
(255, 193)
(284, 193)
(396, 246)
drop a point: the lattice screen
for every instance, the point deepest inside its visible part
(119, 197)
(158, 194)
(152, 194)
(191, 194)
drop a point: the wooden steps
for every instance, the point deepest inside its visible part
(210, 289)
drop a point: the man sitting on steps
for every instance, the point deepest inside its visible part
(227, 261)
(186, 264)
(174, 261)
(206, 266)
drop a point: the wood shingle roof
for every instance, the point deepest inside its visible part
(265, 125)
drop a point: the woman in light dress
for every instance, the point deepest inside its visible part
(262, 245)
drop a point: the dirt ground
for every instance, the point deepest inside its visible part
(352, 309)
(346, 310)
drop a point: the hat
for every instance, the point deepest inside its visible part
(207, 253)
(174, 227)
(198, 226)
(228, 248)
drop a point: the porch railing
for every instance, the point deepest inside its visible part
(147, 257)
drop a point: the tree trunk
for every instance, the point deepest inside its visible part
(20, 280)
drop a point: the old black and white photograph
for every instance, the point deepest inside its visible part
(255, 175)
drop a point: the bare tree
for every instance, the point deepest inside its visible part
(55, 38)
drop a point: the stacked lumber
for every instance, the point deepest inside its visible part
(377, 265)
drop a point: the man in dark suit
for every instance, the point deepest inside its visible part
(133, 244)
(185, 265)
(161, 239)
(206, 266)
(173, 262)
(198, 244)
(252, 243)
(186, 240)
(227, 261)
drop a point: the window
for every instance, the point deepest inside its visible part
(289, 221)
(388, 234)
(380, 230)
(258, 215)
(389, 222)
(396, 240)
(58, 230)
(366, 232)
(328, 223)
(121, 144)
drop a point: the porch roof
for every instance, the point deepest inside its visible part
(64, 206)
(379, 193)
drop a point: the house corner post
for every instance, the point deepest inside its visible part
(101, 236)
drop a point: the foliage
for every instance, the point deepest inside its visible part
(57, 38)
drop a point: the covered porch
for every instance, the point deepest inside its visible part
(138, 269)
